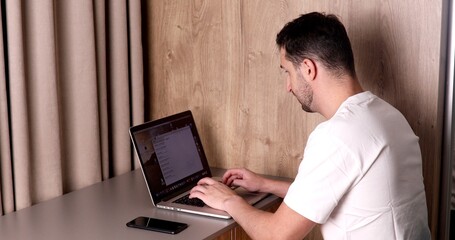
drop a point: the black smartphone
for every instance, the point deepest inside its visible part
(157, 225)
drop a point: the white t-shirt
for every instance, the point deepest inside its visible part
(361, 175)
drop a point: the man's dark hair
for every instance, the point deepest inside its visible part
(319, 37)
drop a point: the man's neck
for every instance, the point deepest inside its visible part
(336, 95)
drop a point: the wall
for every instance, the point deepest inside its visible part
(219, 59)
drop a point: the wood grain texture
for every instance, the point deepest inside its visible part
(219, 59)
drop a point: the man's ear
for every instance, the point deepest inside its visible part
(309, 69)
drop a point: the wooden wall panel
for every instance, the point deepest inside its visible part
(219, 59)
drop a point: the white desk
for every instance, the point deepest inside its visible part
(101, 211)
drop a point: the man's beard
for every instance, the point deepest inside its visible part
(304, 94)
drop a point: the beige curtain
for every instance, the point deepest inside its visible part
(71, 84)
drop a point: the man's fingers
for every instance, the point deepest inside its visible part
(229, 180)
(197, 194)
(232, 172)
(198, 188)
(198, 191)
(207, 181)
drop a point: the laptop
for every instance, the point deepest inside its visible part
(172, 160)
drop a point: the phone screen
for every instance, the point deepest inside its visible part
(157, 225)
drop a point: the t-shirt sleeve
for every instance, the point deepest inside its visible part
(325, 174)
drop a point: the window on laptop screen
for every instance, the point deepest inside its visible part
(171, 154)
(177, 154)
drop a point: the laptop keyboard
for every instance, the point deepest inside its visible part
(190, 201)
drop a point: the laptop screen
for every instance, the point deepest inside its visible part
(171, 154)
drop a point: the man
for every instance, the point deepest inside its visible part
(361, 173)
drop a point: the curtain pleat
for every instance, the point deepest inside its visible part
(45, 179)
(78, 89)
(71, 86)
(136, 66)
(18, 104)
(6, 173)
(101, 65)
(118, 99)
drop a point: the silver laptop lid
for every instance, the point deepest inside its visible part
(171, 155)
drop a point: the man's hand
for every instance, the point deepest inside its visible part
(244, 178)
(213, 193)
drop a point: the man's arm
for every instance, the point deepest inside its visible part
(285, 223)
